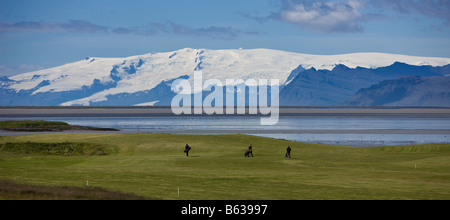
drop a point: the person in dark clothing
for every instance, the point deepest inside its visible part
(250, 150)
(288, 152)
(187, 149)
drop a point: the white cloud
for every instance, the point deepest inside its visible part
(438, 9)
(324, 17)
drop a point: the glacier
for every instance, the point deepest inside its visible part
(146, 79)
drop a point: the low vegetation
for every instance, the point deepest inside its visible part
(20, 191)
(39, 126)
(61, 149)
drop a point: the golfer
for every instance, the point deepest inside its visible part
(250, 150)
(288, 152)
(187, 149)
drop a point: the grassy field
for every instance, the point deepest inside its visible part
(154, 166)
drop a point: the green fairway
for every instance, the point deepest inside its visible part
(154, 166)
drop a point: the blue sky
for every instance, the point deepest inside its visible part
(38, 34)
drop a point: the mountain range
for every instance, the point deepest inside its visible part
(357, 79)
(406, 91)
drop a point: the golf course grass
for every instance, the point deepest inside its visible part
(154, 166)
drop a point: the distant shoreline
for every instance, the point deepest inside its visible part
(163, 123)
(168, 107)
(56, 111)
(249, 132)
(45, 126)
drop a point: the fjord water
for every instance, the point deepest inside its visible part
(337, 130)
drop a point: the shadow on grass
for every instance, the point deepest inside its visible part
(19, 191)
(58, 149)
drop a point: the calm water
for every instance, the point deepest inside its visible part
(351, 131)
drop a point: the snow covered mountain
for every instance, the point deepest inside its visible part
(335, 87)
(406, 91)
(146, 79)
